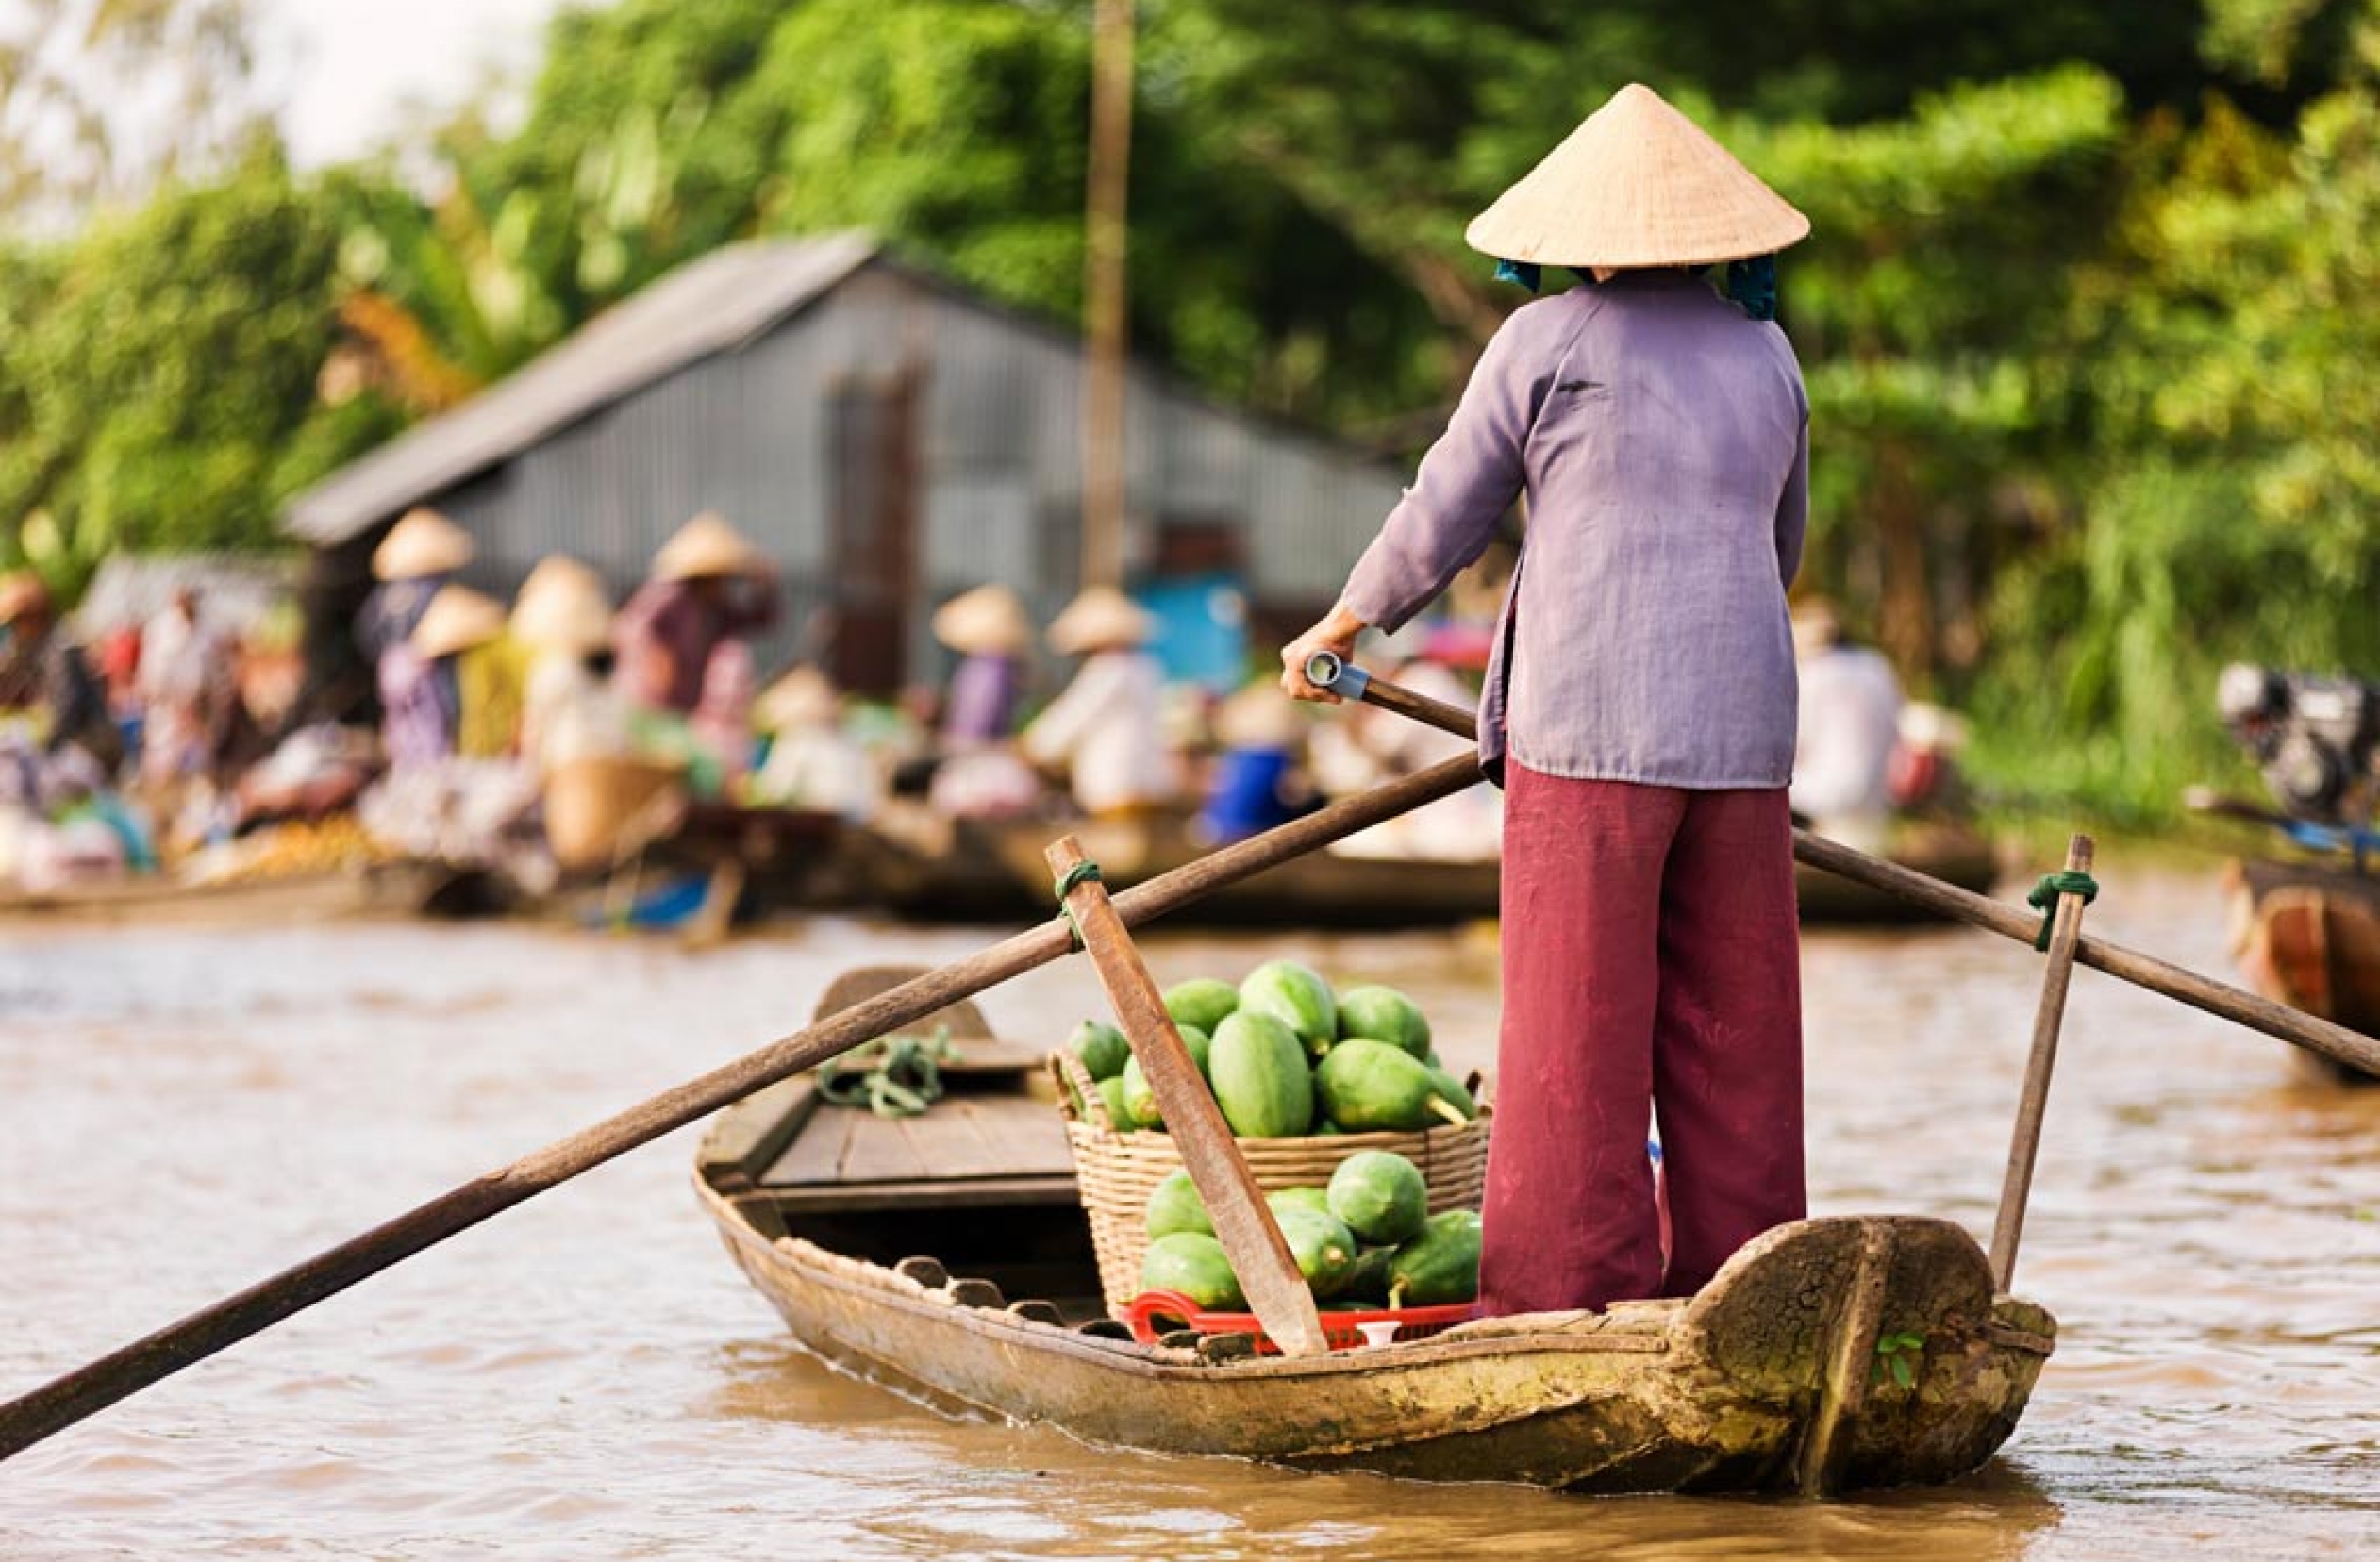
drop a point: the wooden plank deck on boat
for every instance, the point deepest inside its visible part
(971, 1284)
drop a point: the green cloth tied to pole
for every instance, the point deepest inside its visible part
(891, 1076)
(2043, 899)
(1085, 871)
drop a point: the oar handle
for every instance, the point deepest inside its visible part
(1327, 670)
(2335, 1042)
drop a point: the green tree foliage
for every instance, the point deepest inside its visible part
(2225, 499)
(102, 100)
(155, 373)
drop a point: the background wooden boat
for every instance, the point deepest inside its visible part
(951, 1262)
(2307, 934)
(398, 888)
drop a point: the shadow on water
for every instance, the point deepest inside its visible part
(1007, 1490)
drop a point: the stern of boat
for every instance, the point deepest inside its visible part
(1883, 1338)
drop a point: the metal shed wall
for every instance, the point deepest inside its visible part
(746, 433)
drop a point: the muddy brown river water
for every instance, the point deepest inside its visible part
(185, 1110)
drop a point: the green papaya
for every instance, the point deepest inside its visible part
(1298, 1198)
(1101, 1047)
(1322, 1246)
(1368, 1278)
(1199, 1043)
(1366, 1086)
(1438, 1267)
(1202, 1000)
(1294, 995)
(1192, 1263)
(1384, 1014)
(1261, 1078)
(1380, 1195)
(1451, 1090)
(1174, 1205)
(1112, 1097)
(1138, 1099)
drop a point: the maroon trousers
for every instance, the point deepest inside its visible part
(1651, 969)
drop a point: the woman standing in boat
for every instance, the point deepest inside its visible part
(1640, 705)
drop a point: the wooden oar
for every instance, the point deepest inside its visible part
(1243, 1222)
(2335, 1042)
(66, 1399)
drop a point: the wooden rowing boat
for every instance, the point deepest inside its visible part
(947, 1256)
(395, 888)
(2307, 934)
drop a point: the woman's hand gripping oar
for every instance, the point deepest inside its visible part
(92, 1387)
(2335, 1042)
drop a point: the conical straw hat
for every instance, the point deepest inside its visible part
(988, 620)
(804, 697)
(1638, 184)
(707, 545)
(457, 618)
(1098, 620)
(562, 607)
(423, 542)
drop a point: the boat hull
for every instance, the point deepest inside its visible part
(2308, 935)
(1715, 1393)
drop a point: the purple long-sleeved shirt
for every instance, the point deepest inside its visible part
(1663, 441)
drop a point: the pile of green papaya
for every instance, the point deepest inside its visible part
(1366, 1241)
(1286, 1056)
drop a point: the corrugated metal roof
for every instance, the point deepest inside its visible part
(705, 307)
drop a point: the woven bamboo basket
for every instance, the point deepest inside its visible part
(1117, 1171)
(601, 808)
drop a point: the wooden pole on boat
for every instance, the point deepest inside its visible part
(91, 1388)
(2334, 1041)
(1243, 1222)
(2066, 933)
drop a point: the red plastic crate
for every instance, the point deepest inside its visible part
(1143, 1311)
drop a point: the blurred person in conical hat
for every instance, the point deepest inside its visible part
(417, 559)
(47, 685)
(188, 682)
(465, 630)
(811, 763)
(1847, 729)
(562, 621)
(421, 553)
(710, 584)
(990, 630)
(1255, 782)
(1106, 729)
(1639, 702)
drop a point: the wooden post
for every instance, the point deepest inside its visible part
(1243, 1222)
(1105, 292)
(2065, 934)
